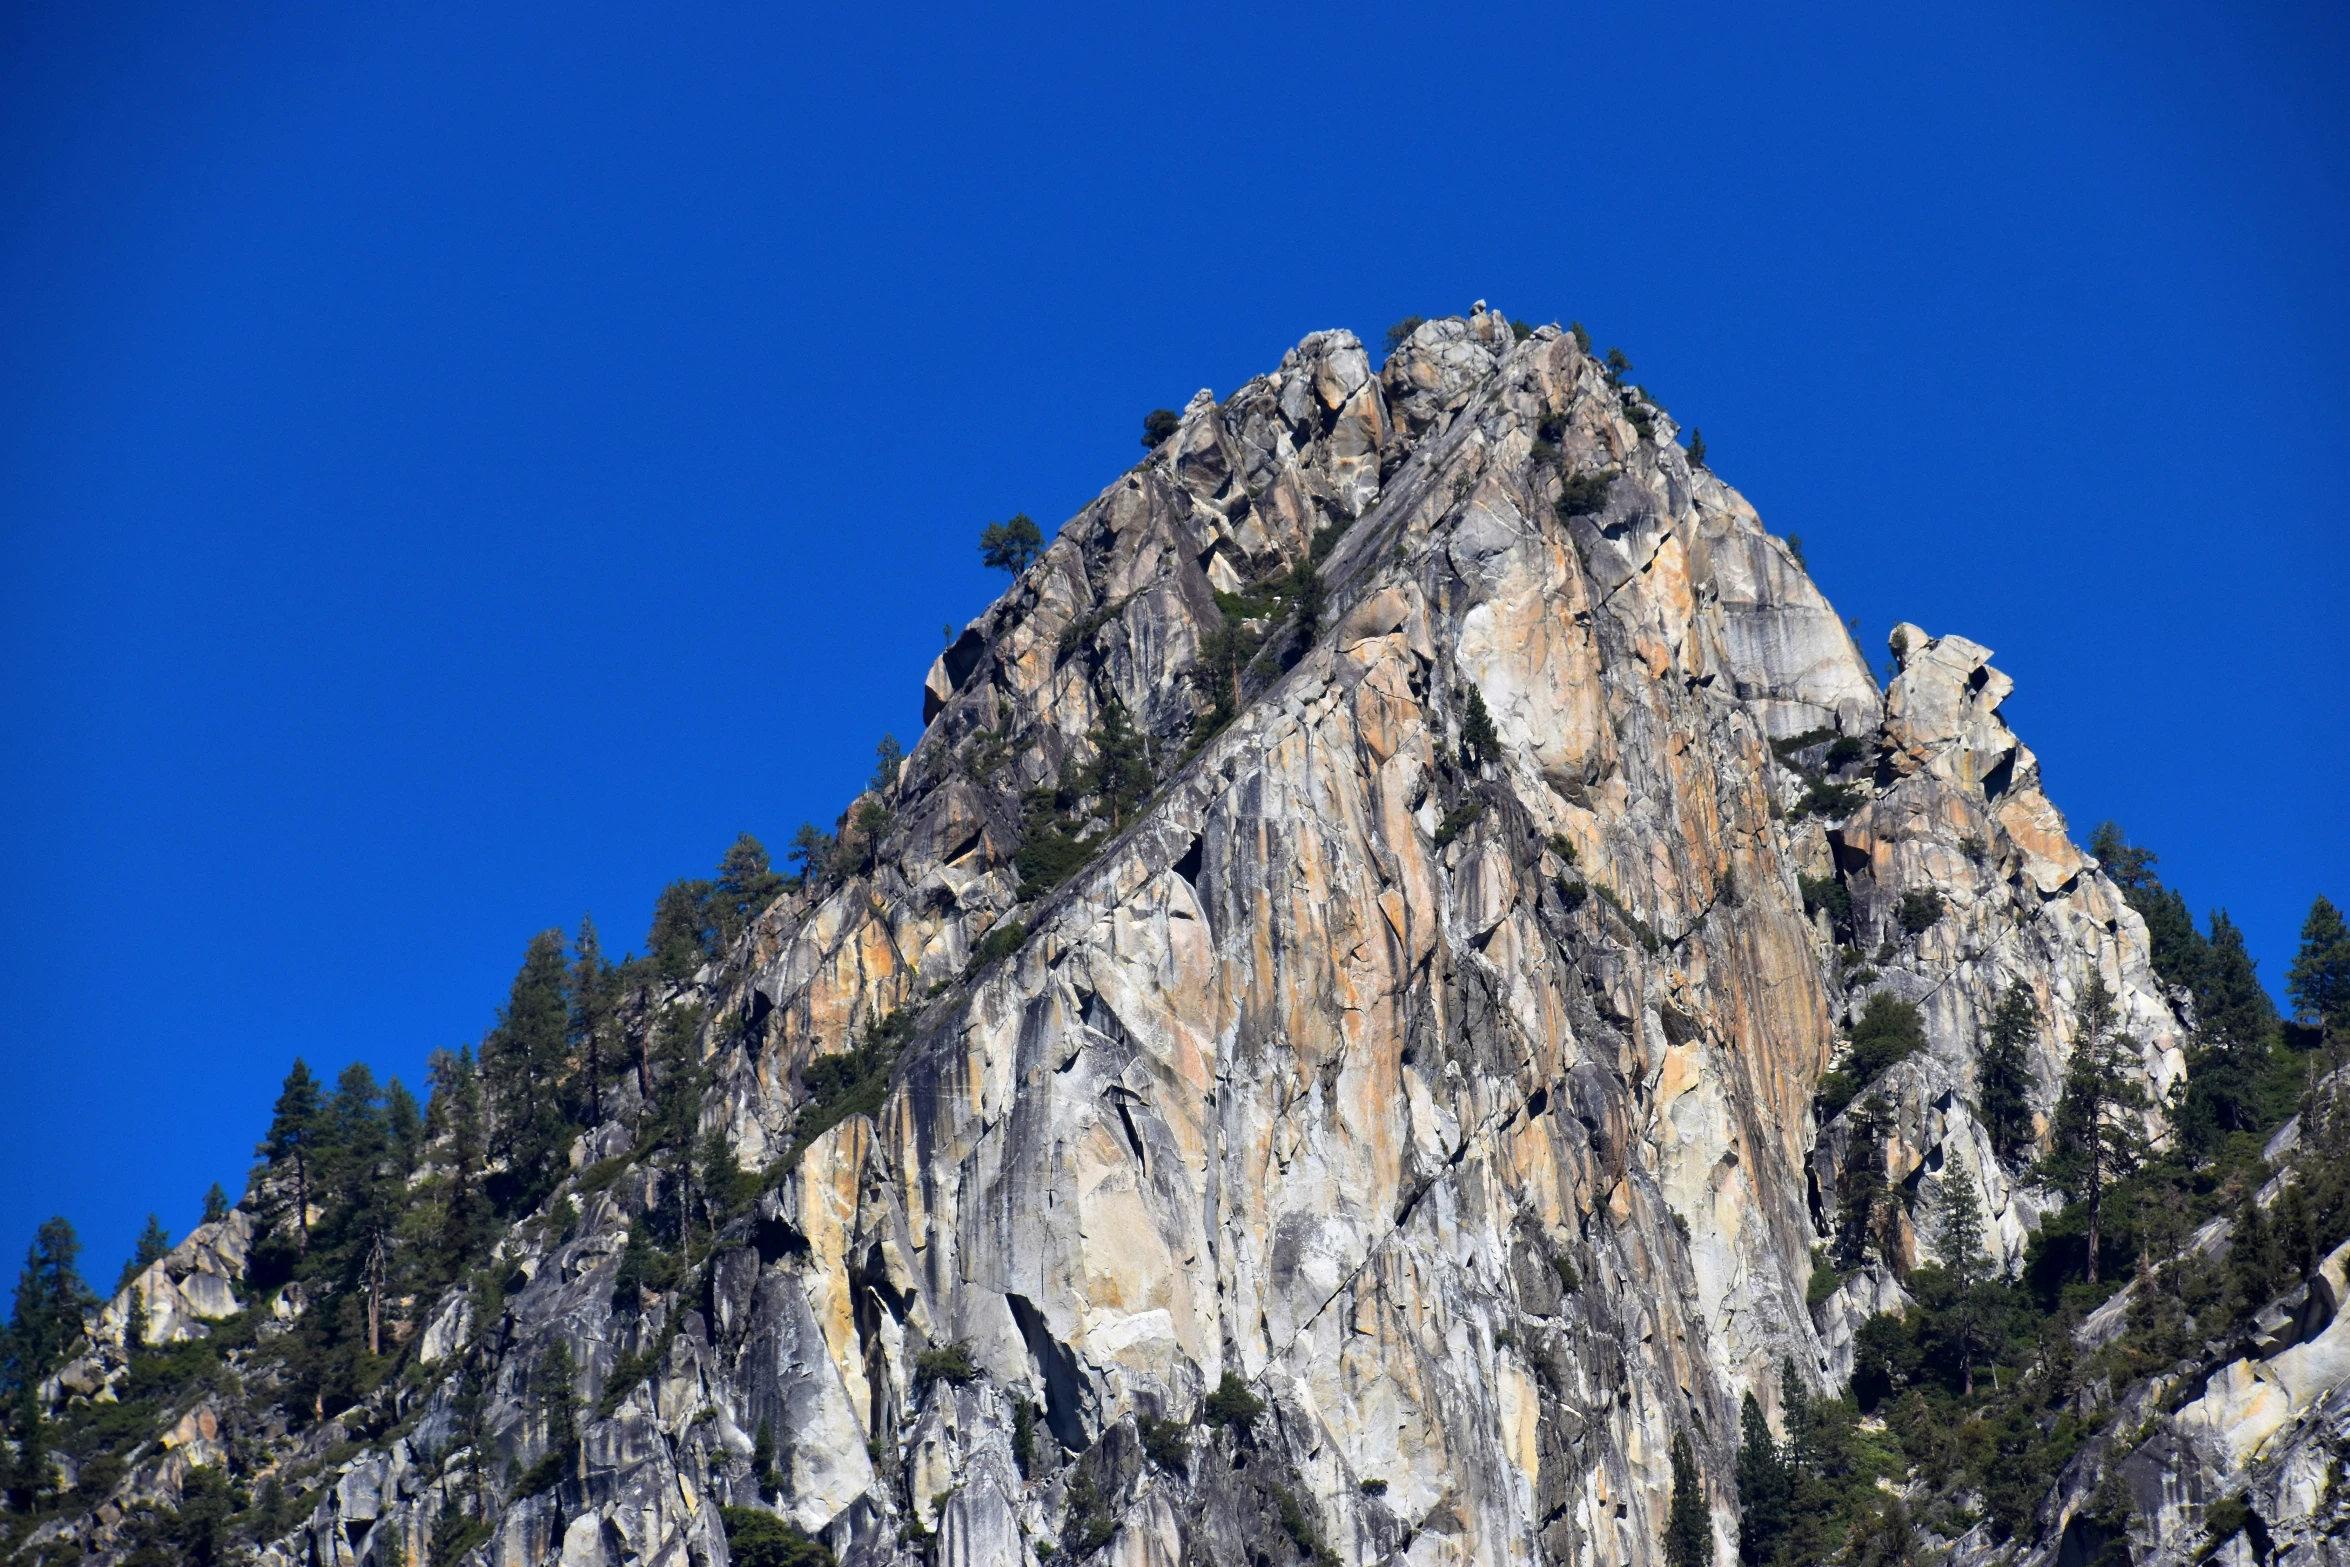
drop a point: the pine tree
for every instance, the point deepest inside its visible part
(29, 1476)
(152, 1246)
(1121, 772)
(2005, 1078)
(811, 850)
(1689, 1530)
(1795, 1412)
(522, 1067)
(1011, 546)
(1766, 1489)
(215, 1204)
(591, 1018)
(1309, 596)
(403, 1125)
(134, 1318)
(294, 1129)
(557, 1398)
(50, 1300)
(1480, 742)
(2175, 947)
(1862, 1189)
(1964, 1267)
(2319, 980)
(2235, 1031)
(745, 885)
(2096, 1139)
(873, 822)
(888, 758)
(456, 1119)
(681, 939)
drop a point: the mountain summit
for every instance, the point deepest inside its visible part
(1416, 1001)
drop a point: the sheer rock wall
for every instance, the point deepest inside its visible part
(1460, 1105)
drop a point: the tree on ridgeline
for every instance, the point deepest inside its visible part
(811, 851)
(2228, 1080)
(746, 884)
(681, 937)
(293, 1136)
(592, 1005)
(2177, 950)
(152, 1246)
(1010, 546)
(458, 1220)
(2319, 980)
(523, 1063)
(50, 1302)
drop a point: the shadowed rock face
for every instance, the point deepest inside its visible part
(1461, 1106)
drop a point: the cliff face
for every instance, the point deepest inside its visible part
(1450, 1087)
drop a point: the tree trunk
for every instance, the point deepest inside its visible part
(2096, 1204)
(375, 1295)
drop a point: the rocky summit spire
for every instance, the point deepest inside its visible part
(1410, 931)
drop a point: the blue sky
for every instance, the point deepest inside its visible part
(461, 464)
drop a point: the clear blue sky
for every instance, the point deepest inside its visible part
(460, 464)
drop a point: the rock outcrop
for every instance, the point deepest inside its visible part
(1430, 1049)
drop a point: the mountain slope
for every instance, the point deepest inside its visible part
(1363, 931)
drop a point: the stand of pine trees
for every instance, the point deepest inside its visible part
(373, 1208)
(1980, 1384)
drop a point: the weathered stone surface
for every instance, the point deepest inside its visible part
(1461, 1107)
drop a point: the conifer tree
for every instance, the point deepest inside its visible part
(2235, 1031)
(215, 1204)
(1795, 1413)
(811, 850)
(1766, 1490)
(745, 886)
(591, 1019)
(134, 1318)
(1121, 772)
(403, 1122)
(1689, 1530)
(456, 1118)
(1965, 1269)
(1480, 742)
(2005, 1077)
(294, 1129)
(2096, 1139)
(50, 1300)
(2319, 980)
(681, 939)
(1863, 1185)
(2175, 947)
(1011, 546)
(152, 1246)
(554, 1391)
(888, 757)
(29, 1475)
(522, 1067)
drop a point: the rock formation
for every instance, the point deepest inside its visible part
(1426, 1043)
